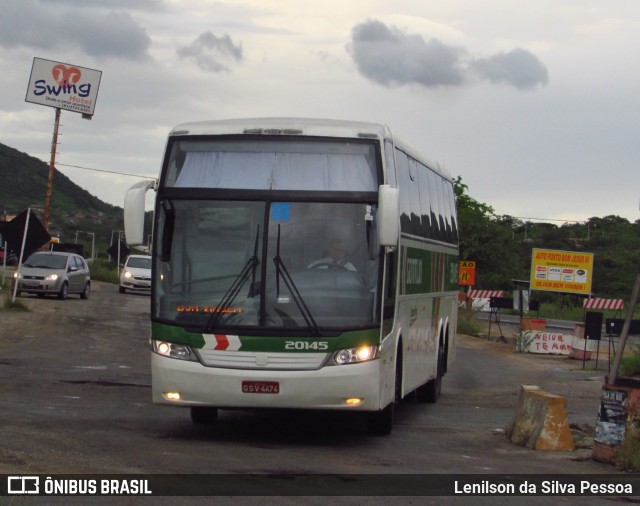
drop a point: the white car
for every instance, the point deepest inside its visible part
(136, 273)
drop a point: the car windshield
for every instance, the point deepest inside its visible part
(46, 261)
(139, 263)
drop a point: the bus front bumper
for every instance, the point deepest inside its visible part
(185, 383)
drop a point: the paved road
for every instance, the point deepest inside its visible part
(76, 399)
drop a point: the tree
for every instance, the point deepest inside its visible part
(501, 246)
(487, 240)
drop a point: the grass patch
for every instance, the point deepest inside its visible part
(630, 363)
(10, 305)
(467, 323)
(628, 455)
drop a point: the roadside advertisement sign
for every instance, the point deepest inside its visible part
(561, 271)
(467, 274)
(63, 86)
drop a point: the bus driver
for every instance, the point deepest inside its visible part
(335, 257)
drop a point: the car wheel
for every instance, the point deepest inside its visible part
(121, 289)
(64, 291)
(86, 291)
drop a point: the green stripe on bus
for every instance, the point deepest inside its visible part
(426, 271)
(352, 339)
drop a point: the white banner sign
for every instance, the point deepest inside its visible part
(63, 86)
(550, 342)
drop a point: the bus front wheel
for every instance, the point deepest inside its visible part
(380, 422)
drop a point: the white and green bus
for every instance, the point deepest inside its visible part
(298, 263)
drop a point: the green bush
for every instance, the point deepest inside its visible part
(104, 270)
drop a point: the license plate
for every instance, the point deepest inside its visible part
(31, 285)
(261, 387)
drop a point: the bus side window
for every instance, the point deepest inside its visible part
(454, 215)
(442, 209)
(417, 218)
(425, 208)
(404, 181)
(435, 206)
(447, 206)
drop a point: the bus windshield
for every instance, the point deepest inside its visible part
(303, 266)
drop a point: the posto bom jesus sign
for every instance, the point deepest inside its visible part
(561, 271)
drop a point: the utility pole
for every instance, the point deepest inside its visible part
(52, 164)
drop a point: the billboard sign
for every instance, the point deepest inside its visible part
(561, 271)
(63, 86)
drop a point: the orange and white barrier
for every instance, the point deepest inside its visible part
(604, 304)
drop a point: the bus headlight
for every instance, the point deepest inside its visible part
(355, 355)
(173, 350)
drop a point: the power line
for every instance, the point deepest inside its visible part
(23, 155)
(544, 219)
(107, 171)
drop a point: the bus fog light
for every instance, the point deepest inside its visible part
(355, 355)
(171, 396)
(353, 401)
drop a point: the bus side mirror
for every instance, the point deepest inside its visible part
(134, 201)
(388, 220)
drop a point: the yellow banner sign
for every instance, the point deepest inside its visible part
(561, 271)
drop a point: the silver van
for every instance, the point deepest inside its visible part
(54, 273)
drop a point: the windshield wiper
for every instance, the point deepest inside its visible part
(233, 291)
(293, 290)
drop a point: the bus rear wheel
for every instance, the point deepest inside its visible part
(204, 414)
(430, 391)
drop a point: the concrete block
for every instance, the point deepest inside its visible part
(541, 421)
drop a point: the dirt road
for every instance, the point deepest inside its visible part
(76, 399)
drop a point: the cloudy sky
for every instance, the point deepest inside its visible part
(534, 104)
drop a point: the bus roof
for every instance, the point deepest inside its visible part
(313, 127)
(300, 126)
